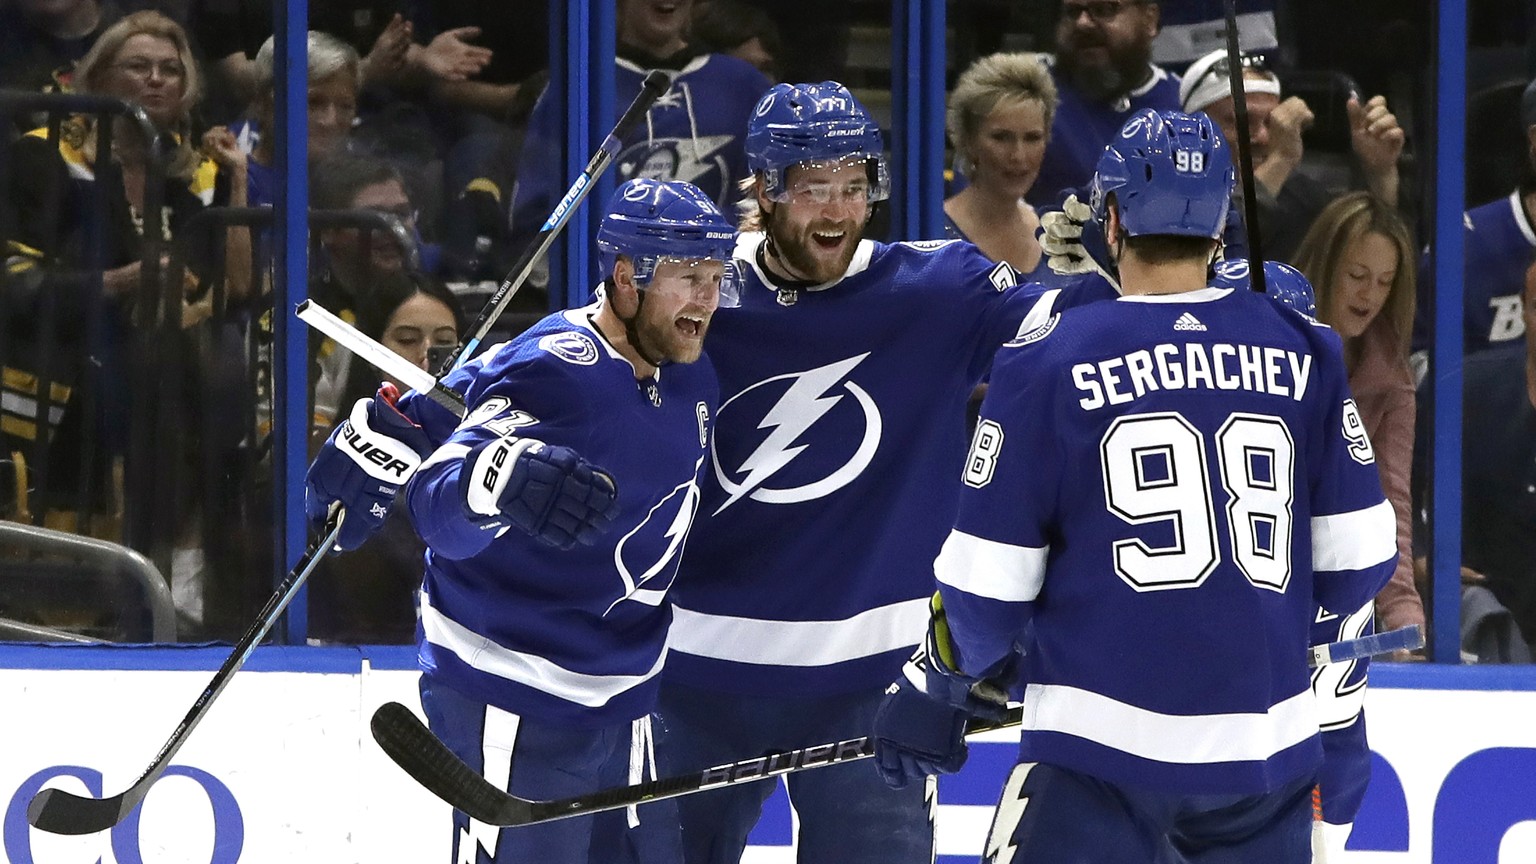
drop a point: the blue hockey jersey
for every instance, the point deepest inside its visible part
(1164, 487)
(694, 132)
(578, 635)
(841, 427)
(1081, 128)
(1500, 242)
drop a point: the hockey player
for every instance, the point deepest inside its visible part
(1165, 483)
(554, 517)
(844, 377)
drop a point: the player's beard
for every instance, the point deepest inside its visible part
(659, 339)
(797, 248)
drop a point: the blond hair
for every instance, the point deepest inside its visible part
(89, 77)
(994, 80)
(1344, 221)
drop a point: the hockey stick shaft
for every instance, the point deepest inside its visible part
(381, 358)
(655, 84)
(412, 746)
(1244, 151)
(1402, 639)
(61, 812)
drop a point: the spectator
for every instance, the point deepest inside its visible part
(1104, 73)
(999, 121)
(368, 595)
(1359, 259)
(352, 261)
(230, 32)
(1289, 199)
(41, 40)
(335, 73)
(1498, 463)
(745, 32)
(88, 262)
(142, 59)
(702, 118)
(1500, 239)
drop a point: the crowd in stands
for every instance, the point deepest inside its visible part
(431, 151)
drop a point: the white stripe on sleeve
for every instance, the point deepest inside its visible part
(1354, 540)
(988, 568)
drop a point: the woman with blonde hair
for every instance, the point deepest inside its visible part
(90, 255)
(1359, 258)
(999, 120)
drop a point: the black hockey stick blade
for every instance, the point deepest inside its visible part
(428, 760)
(59, 812)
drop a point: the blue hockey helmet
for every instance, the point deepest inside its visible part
(795, 124)
(1170, 173)
(1282, 282)
(651, 221)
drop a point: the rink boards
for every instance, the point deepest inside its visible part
(283, 768)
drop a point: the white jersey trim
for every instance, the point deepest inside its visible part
(1354, 540)
(746, 252)
(1185, 739)
(799, 643)
(987, 568)
(1517, 209)
(1203, 295)
(530, 670)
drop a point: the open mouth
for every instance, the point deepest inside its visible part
(828, 240)
(691, 326)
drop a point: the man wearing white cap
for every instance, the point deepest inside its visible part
(1288, 199)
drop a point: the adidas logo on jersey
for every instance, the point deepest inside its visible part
(1188, 321)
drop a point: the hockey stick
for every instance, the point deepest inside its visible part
(1402, 639)
(655, 84)
(61, 812)
(412, 746)
(1244, 151)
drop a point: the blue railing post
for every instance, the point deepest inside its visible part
(581, 50)
(290, 367)
(917, 117)
(1445, 364)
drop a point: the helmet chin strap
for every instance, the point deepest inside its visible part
(632, 333)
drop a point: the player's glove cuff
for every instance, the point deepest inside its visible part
(937, 666)
(547, 491)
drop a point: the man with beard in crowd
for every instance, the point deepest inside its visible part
(1104, 73)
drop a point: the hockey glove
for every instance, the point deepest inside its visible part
(1074, 243)
(546, 490)
(363, 465)
(920, 726)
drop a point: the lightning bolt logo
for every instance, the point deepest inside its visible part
(641, 542)
(1002, 844)
(802, 405)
